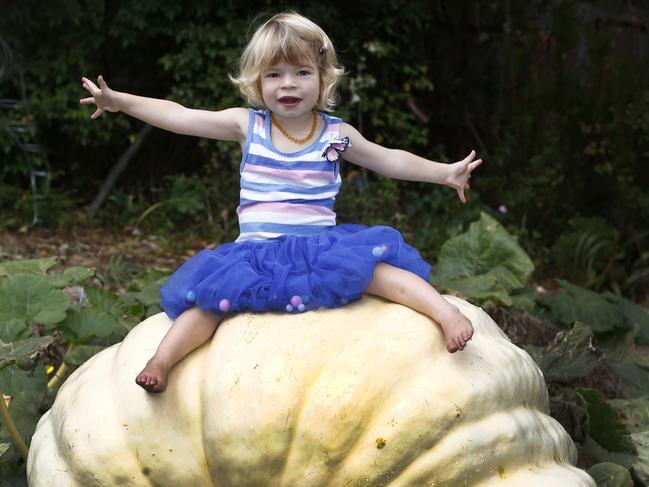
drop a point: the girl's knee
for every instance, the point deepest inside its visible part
(386, 279)
(196, 313)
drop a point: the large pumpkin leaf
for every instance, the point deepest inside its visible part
(485, 260)
(81, 353)
(606, 425)
(88, 323)
(571, 357)
(479, 288)
(20, 350)
(149, 295)
(573, 303)
(13, 330)
(28, 266)
(523, 299)
(635, 316)
(147, 277)
(70, 276)
(629, 363)
(27, 390)
(607, 474)
(635, 414)
(31, 298)
(106, 301)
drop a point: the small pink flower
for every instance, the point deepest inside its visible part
(502, 209)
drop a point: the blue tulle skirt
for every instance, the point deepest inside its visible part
(290, 273)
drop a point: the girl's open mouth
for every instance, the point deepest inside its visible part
(289, 101)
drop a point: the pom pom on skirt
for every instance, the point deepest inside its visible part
(291, 273)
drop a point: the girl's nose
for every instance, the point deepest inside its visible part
(288, 81)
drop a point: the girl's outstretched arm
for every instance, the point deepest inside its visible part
(230, 124)
(400, 164)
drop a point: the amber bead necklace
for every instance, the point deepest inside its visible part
(292, 138)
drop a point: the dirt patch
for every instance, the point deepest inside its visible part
(98, 247)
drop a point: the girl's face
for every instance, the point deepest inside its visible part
(290, 91)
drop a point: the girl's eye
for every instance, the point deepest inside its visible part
(304, 72)
(271, 75)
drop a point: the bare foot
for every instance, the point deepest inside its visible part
(457, 329)
(153, 377)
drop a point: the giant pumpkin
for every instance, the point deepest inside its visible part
(364, 395)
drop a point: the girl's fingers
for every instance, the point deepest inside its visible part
(86, 81)
(87, 101)
(101, 81)
(98, 112)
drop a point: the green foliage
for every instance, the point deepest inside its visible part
(484, 264)
(572, 356)
(604, 312)
(31, 299)
(557, 108)
(608, 474)
(47, 319)
(606, 427)
(584, 252)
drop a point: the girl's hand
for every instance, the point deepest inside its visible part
(102, 96)
(460, 173)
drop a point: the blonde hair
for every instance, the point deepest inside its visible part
(296, 39)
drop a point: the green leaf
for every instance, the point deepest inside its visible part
(13, 330)
(523, 299)
(146, 278)
(23, 349)
(149, 295)
(27, 266)
(81, 353)
(106, 301)
(640, 466)
(31, 298)
(606, 425)
(485, 260)
(608, 474)
(635, 414)
(630, 364)
(573, 303)
(635, 316)
(572, 357)
(70, 276)
(88, 323)
(27, 391)
(482, 289)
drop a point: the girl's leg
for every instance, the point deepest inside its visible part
(407, 288)
(190, 330)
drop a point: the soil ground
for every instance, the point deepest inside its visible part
(100, 248)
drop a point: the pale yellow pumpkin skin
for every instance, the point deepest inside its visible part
(364, 395)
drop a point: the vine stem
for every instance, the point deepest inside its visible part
(9, 422)
(60, 373)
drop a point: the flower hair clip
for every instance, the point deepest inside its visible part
(335, 148)
(321, 50)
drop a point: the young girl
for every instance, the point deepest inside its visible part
(290, 255)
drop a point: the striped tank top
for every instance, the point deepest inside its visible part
(286, 193)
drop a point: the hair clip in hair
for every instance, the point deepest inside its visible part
(321, 50)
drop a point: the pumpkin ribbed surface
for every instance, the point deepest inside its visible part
(361, 395)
